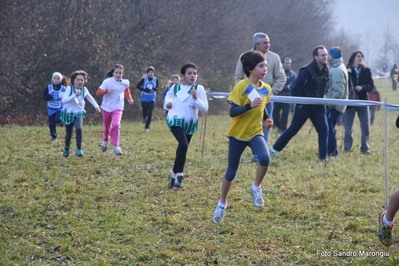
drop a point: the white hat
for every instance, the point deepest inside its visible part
(57, 74)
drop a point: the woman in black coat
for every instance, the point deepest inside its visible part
(360, 83)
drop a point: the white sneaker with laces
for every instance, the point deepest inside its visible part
(117, 150)
(104, 145)
(146, 130)
(218, 214)
(257, 196)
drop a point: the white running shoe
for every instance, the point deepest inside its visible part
(257, 196)
(117, 150)
(218, 214)
(104, 145)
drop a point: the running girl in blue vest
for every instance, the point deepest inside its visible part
(148, 87)
(53, 95)
(183, 101)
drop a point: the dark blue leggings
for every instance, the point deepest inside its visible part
(52, 122)
(184, 140)
(236, 148)
(77, 123)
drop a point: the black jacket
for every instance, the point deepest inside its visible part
(364, 79)
(311, 82)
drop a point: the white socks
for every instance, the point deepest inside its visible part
(384, 219)
(222, 205)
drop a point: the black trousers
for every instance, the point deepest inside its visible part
(184, 140)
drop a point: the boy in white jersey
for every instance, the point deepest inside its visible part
(183, 101)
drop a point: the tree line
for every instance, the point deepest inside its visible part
(39, 38)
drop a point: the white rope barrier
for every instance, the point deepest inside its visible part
(325, 101)
(321, 101)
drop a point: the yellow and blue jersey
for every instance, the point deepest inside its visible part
(249, 124)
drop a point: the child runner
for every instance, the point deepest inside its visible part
(248, 100)
(386, 220)
(387, 217)
(174, 80)
(148, 87)
(183, 101)
(53, 95)
(73, 110)
(113, 89)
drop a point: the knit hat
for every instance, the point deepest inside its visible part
(57, 74)
(334, 53)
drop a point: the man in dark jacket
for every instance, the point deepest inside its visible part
(312, 81)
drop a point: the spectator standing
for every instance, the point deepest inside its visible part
(374, 95)
(394, 71)
(281, 110)
(337, 89)
(312, 81)
(360, 83)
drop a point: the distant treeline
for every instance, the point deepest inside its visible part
(39, 38)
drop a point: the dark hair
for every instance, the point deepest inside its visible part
(250, 59)
(352, 58)
(317, 48)
(188, 65)
(111, 72)
(150, 68)
(77, 73)
(287, 58)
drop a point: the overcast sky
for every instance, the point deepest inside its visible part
(368, 16)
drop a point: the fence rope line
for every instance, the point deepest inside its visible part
(320, 101)
(326, 101)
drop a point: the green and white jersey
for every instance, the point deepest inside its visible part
(184, 111)
(74, 106)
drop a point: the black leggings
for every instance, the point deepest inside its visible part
(148, 108)
(77, 123)
(184, 140)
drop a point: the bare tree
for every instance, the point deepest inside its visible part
(37, 39)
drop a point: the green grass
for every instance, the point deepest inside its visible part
(117, 210)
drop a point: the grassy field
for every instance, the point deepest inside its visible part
(104, 209)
